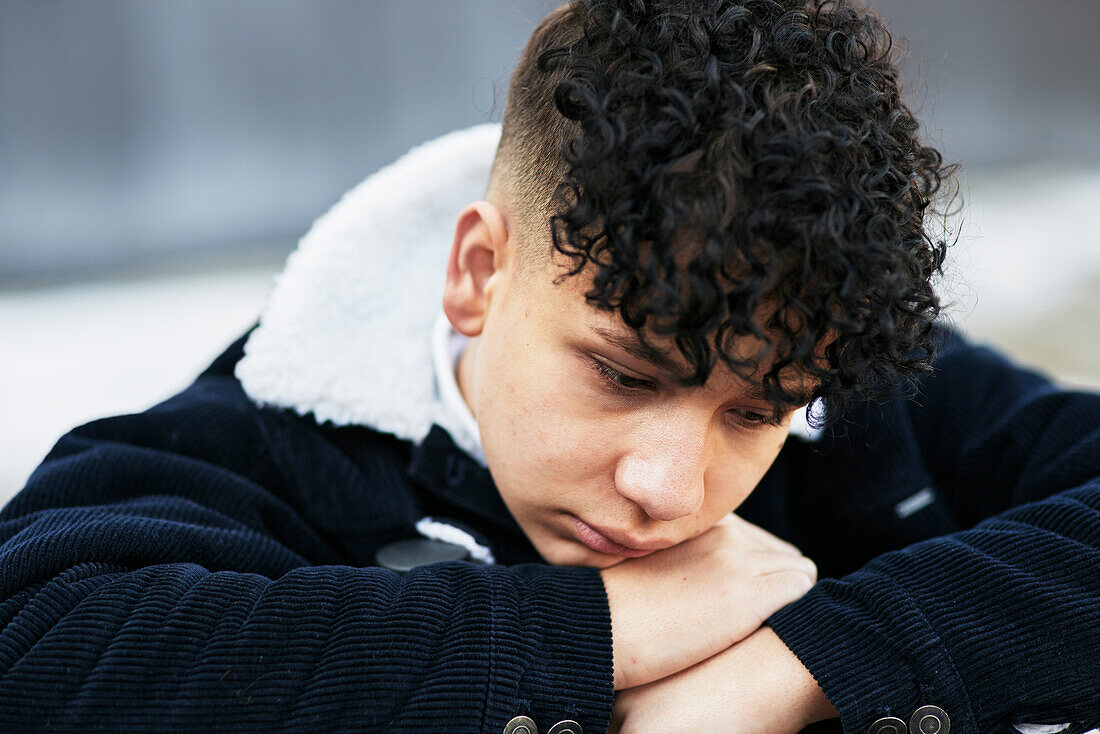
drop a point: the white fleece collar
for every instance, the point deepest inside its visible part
(347, 331)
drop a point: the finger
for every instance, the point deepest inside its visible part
(776, 590)
(783, 563)
(765, 562)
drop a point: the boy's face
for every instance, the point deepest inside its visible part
(593, 471)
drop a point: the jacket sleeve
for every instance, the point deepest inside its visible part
(997, 623)
(154, 575)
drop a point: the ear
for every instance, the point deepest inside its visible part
(480, 259)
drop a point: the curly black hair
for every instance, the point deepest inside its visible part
(729, 169)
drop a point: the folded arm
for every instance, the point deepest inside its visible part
(159, 572)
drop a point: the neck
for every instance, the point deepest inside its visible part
(464, 373)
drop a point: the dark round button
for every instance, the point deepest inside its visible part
(929, 720)
(521, 725)
(405, 555)
(887, 725)
(567, 727)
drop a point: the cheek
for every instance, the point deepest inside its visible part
(741, 468)
(536, 428)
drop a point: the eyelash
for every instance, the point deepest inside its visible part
(616, 382)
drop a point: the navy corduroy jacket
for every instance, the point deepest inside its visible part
(208, 565)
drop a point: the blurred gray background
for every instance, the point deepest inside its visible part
(158, 160)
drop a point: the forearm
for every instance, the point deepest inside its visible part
(155, 577)
(457, 647)
(955, 622)
(755, 686)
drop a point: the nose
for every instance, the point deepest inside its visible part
(663, 472)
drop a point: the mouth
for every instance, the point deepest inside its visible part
(599, 541)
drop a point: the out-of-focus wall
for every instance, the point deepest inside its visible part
(132, 130)
(1004, 82)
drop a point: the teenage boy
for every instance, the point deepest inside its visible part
(700, 217)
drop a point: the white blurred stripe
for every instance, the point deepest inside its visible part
(79, 352)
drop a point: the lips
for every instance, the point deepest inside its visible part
(600, 542)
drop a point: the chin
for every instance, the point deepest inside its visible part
(608, 562)
(574, 554)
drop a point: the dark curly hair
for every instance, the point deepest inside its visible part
(731, 169)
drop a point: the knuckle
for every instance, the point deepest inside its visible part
(789, 546)
(788, 585)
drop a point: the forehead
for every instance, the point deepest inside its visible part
(664, 357)
(566, 310)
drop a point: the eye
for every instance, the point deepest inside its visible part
(617, 381)
(754, 419)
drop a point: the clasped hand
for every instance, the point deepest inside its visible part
(690, 650)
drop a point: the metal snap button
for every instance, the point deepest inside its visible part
(929, 720)
(566, 727)
(887, 725)
(521, 725)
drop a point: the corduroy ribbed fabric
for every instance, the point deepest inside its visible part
(997, 622)
(207, 565)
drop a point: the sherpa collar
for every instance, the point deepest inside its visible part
(346, 333)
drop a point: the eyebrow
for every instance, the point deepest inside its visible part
(802, 396)
(648, 353)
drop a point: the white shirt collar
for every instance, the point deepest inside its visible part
(447, 346)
